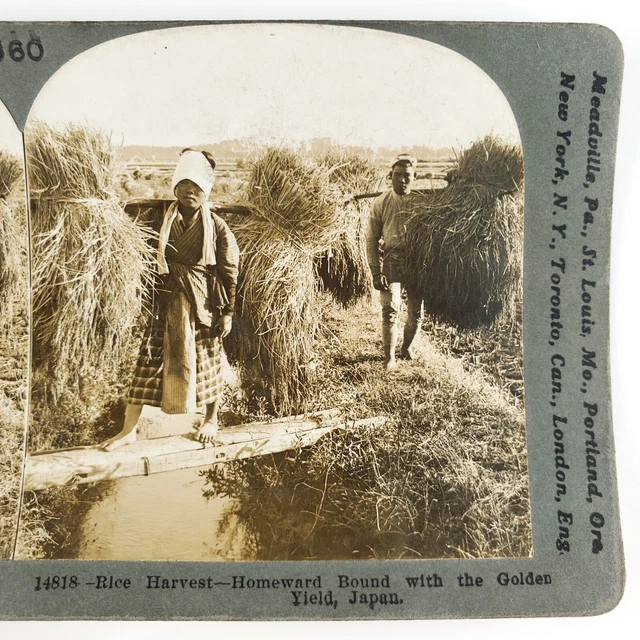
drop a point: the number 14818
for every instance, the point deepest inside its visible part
(55, 582)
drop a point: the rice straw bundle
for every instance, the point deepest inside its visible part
(295, 217)
(343, 269)
(91, 262)
(10, 173)
(12, 238)
(464, 242)
(277, 322)
(491, 163)
(295, 199)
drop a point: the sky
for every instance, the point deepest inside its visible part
(277, 83)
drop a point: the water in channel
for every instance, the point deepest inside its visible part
(163, 516)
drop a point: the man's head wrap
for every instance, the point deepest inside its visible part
(404, 158)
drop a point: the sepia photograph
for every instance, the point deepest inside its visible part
(276, 302)
(14, 327)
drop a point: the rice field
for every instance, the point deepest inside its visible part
(447, 477)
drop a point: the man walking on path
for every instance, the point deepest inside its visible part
(389, 214)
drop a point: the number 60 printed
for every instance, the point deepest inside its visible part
(17, 51)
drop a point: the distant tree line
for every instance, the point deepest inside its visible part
(239, 149)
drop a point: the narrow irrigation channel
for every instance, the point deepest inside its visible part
(163, 516)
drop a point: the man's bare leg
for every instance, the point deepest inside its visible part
(390, 301)
(129, 431)
(412, 326)
(389, 340)
(410, 332)
(209, 428)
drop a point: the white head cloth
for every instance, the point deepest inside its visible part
(193, 166)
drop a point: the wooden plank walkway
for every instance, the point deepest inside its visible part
(144, 457)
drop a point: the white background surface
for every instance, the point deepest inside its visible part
(621, 17)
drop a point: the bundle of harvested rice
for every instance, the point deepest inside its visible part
(464, 242)
(276, 324)
(12, 237)
(10, 172)
(91, 262)
(295, 217)
(295, 198)
(343, 269)
(491, 162)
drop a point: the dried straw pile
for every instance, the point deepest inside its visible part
(295, 217)
(12, 238)
(10, 173)
(464, 242)
(343, 269)
(90, 260)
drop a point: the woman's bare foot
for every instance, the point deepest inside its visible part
(129, 433)
(120, 440)
(207, 432)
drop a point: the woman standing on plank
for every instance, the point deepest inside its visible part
(180, 363)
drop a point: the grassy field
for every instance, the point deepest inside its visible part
(446, 477)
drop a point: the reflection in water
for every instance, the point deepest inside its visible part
(161, 517)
